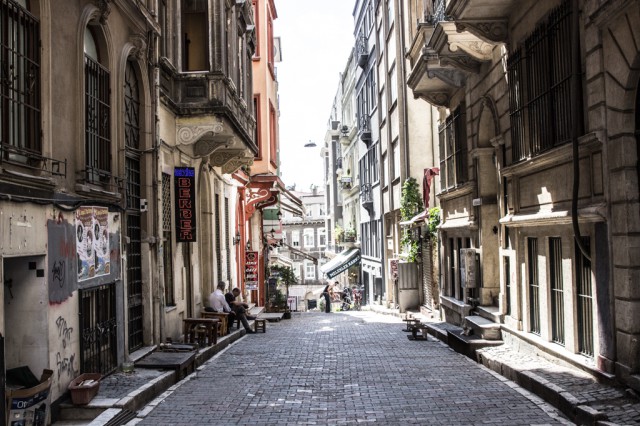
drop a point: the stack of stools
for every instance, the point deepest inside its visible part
(260, 325)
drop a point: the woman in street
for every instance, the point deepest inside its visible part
(328, 294)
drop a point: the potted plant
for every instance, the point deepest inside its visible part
(350, 235)
(338, 233)
(287, 277)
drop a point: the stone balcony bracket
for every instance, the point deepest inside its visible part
(466, 42)
(490, 31)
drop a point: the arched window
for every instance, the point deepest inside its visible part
(20, 118)
(133, 196)
(97, 114)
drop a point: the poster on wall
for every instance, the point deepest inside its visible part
(92, 242)
(251, 270)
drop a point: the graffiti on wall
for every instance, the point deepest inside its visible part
(62, 255)
(65, 362)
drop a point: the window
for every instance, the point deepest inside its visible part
(258, 129)
(256, 19)
(164, 28)
(539, 87)
(395, 172)
(195, 42)
(390, 14)
(98, 114)
(557, 291)
(453, 150)
(295, 238)
(270, 47)
(309, 270)
(534, 286)
(322, 237)
(393, 87)
(273, 134)
(309, 239)
(584, 292)
(20, 120)
(167, 251)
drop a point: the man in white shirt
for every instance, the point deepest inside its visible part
(217, 301)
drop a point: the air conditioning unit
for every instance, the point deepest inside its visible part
(468, 267)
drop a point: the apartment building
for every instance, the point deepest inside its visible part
(537, 103)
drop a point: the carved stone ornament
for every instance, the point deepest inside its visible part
(437, 98)
(235, 164)
(478, 49)
(489, 31)
(221, 158)
(451, 77)
(188, 135)
(139, 46)
(105, 10)
(207, 146)
(464, 63)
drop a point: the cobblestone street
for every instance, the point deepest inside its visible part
(339, 368)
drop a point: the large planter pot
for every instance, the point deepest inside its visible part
(287, 315)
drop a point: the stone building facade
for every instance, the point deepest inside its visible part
(538, 101)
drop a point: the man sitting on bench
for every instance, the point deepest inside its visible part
(238, 307)
(218, 303)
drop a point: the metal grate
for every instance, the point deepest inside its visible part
(534, 286)
(227, 233)
(585, 300)
(97, 122)
(133, 218)
(98, 344)
(539, 87)
(507, 281)
(218, 237)
(20, 116)
(167, 246)
(557, 290)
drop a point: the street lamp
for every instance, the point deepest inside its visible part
(236, 239)
(310, 144)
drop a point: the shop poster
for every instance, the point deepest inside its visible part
(92, 242)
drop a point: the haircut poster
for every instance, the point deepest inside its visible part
(92, 242)
(251, 270)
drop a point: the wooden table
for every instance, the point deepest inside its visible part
(223, 317)
(190, 330)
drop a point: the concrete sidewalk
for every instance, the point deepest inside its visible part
(576, 393)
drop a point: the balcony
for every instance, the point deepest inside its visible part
(451, 42)
(346, 183)
(362, 51)
(364, 129)
(366, 197)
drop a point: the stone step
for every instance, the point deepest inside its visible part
(483, 328)
(468, 345)
(492, 313)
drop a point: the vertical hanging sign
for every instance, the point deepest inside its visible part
(185, 178)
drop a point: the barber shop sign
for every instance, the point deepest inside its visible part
(185, 178)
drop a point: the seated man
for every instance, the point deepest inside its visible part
(218, 303)
(240, 308)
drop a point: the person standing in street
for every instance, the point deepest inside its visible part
(328, 294)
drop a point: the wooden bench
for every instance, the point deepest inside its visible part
(411, 322)
(419, 331)
(193, 326)
(222, 317)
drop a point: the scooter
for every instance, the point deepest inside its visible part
(345, 297)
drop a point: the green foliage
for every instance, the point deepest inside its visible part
(338, 232)
(411, 199)
(287, 277)
(410, 205)
(433, 222)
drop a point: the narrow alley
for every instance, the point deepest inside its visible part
(344, 368)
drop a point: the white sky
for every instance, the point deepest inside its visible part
(316, 39)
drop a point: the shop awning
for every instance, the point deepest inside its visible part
(341, 262)
(420, 217)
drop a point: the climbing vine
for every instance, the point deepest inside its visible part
(410, 205)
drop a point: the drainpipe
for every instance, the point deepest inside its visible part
(577, 122)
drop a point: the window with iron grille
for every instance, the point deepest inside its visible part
(585, 300)
(557, 290)
(133, 217)
(227, 233)
(167, 247)
(20, 117)
(218, 236)
(453, 150)
(97, 117)
(534, 286)
(98, 325)
(539, 74)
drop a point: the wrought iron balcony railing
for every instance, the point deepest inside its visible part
(362, 51)
(364, 129)
(44, 166)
